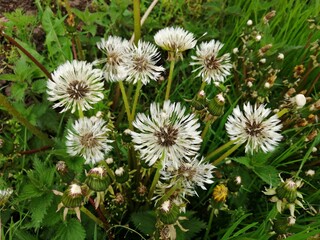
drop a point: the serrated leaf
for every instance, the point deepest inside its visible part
(144, 221)
(38, 208)
(39, 86)
(18, 90)
(44, 172)
(70, 230)
(21, 234)
(243, 160)
(268, 174)
(29, 191)
(193, 225)
(9, 77)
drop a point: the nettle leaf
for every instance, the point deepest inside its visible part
(70, 230)
(144, 221)
(39, 86)
(18, 90)
(44, 173)
(39, 207)
(29, 191)
(268, 174)
(58, 45)
(192, 224)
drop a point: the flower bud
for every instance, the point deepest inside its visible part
(72, 197)
(234, 184)
(216, 105)
(249, 22)
(300, 100)
(64, 172)
(97, 179)
(121, 175)
(168, 212)
(287, 190)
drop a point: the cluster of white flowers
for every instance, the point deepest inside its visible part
(168, 135)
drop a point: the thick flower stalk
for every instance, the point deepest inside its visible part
(254, 127)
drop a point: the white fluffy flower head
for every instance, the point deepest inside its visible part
(141, 64)
(175, 39)
(168, 134)
(190, 175)
(116, 49)
(75, 85)
(213, 68)
(88, 138)
(254, 127)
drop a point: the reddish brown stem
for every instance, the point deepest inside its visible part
(32, 151)
(22, 49)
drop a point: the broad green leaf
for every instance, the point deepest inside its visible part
(144, 221)
(18, 90)
(70, 230)
(268, 174)
(38, 208)
(39, 86)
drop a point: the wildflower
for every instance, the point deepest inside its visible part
(141, 64)
(212, 68)
(168, 133)
(75, 85)
(175, 40)
(190, 174)
(97, 179)
(220, 193)
(286, 195)
(254, 127)
(88, 138)
(168, 212)
(115, 49)
(4, 195)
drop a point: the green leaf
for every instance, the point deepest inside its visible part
(268, 174)
(38, 208)
(243, 160)
(29, 191)
(144, 221)
(70, 230)
(21, 234)
(192, 224)
(39, 86)
(9, 77)
(233, 227)
(18, 90)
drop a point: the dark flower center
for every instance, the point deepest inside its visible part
(212, 63)
(88, 140)
(114, 59)
(253, 129)
(167, 136)
(77, 90)
(140, 64)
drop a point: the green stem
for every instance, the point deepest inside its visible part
(136, 18)
(92, 217)
(282, 112)
(136, 97)
(170, 79)
(168, 194)
(15, 43)
(155, 180)
(231, 150)
(206, 128)
(126, 104)
(223, 147)
(80, 112)
(203, 84)
(7, 105)
(206, 236)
